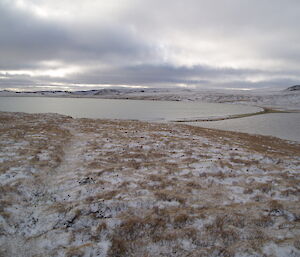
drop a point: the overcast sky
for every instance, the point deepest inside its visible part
(72, 44)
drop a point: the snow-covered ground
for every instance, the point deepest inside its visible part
(285, 100)
(83, 187)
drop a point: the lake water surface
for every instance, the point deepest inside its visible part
(121, 109)
(282, 125)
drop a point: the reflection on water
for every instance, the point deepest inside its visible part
(121, 109)
(282, 125)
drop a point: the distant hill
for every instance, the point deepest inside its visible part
(293, 88)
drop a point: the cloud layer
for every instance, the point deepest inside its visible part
(197, 43)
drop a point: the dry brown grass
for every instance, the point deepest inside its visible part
(77, 251)
(264, 187)
(108, 195)
(101, 227)
(132, 227)
(181, 219)
(297, 244)
(59, 207)
(268, 146)
(6, 190)
(247, 163)
(248, 191)
(275, 205)
(224, 164)
(169, 189)
(219, 230)
(194, 185)
(169, 195)
(118, 247)
(5, 215)
(263, 221)
(290, 192)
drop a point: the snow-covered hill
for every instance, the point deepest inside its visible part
(293, 88)
(284, 99)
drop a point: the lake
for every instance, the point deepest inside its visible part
(121, 109)
(282, 125)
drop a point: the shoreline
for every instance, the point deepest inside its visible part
(237, 116)
(264, 111)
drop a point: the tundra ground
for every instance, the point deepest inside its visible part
(83, 187)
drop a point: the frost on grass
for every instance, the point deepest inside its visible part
(82, 187)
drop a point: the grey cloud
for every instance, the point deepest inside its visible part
(129, 46)
(280, 83)
(25, 41)
(268, 28)
(153, 74)
(16, 81)
(168, 76)
(158, 76)
(165, 74)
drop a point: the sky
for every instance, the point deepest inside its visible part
(75, 44)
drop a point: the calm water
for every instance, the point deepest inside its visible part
(285, 125)
(282, 125)
(120, 109)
